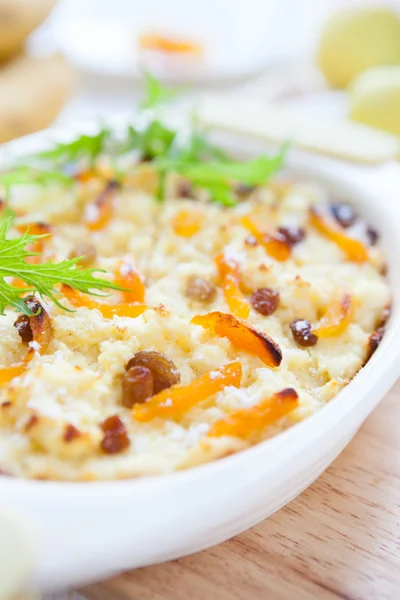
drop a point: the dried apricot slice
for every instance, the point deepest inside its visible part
(275, 244)
(186, 223)
(128, 277)
(242, 336)
(229, 273)
(353, 249)
(246, 421)
(173, 402)
(80, 300)
(336, 318)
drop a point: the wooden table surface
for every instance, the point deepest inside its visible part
(339, 539)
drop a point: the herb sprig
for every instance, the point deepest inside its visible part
(195, 158)
(41, 278)
(84, 146)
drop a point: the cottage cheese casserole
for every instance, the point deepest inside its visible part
(235, 319)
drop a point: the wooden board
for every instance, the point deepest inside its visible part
(339, 539)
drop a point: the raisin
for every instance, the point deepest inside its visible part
(372, 235)
(302, 334)
(137, 385)
(292, 235)
(115, 437)
(184, 189)
(200, 289)
(70, 433)
(243, 189)
(344, 214)
(87, 252)
(23, 326)
(163, 370)
(265, 301)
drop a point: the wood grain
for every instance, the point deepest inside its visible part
(339, 539)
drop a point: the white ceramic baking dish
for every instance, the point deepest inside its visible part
(87, 531)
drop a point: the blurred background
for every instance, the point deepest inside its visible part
(71, 59)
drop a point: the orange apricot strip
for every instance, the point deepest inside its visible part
(274, 244)
(230, 276)
(242, 336)
(173, 402)
(42, 332)
(353, 249)
(246, 421)
(336, 318)
(129, 278)
(85, 176)
(186, 223)
(98, 214)
(170, 45)
(80, 300)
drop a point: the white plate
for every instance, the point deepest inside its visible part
(87, 531)
(101, 37)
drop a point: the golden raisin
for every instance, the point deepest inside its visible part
(115, 437)
(200, 289)
(23, 326)
(137, 385)
(163, 370)
(265, 301)
(87, 252)
(302, 334)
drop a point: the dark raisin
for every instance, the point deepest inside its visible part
(372, 235)
(302, 334)
(163, 370)
(23, 326)
(200, 289)
(137, 385)
(115, 437)
(344, 214)
(265, 301)
(184, 189)
(71, 433)
(293, 235)
(243, 189)
(87, 252)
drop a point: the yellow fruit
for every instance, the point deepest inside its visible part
(357, 39)
(375, 98)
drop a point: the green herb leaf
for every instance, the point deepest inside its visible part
(155, 93)
(218, 176)
(85, 146)
(154, 140)
(26, 175)
(41, 278)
